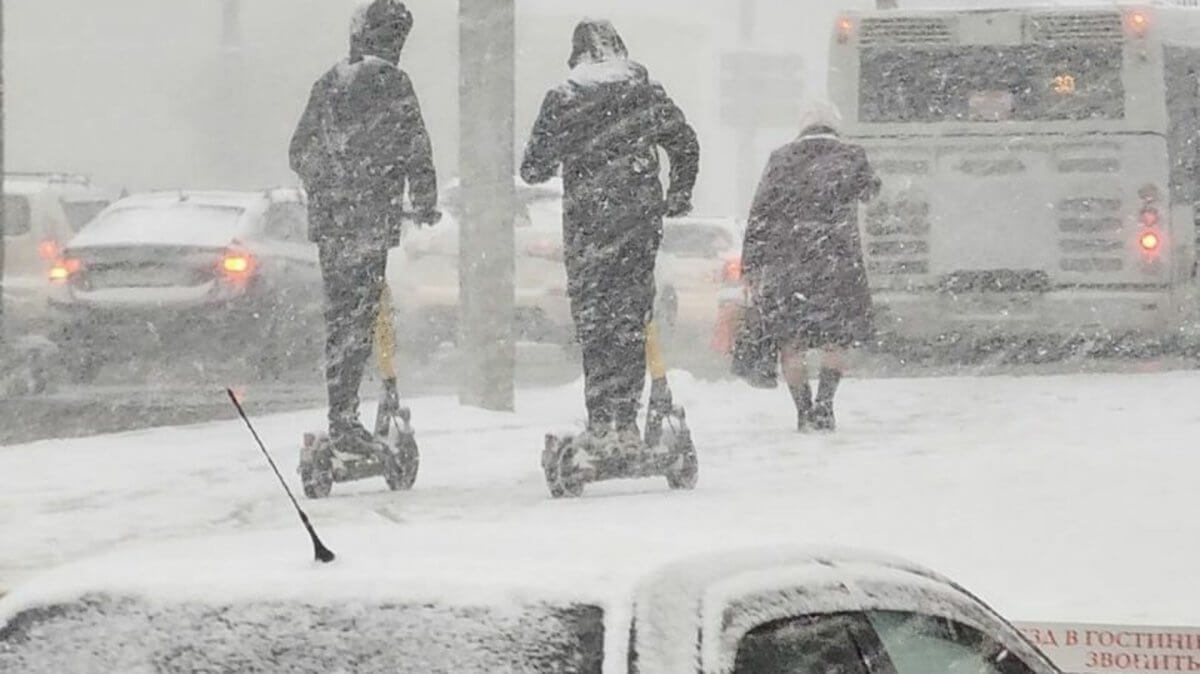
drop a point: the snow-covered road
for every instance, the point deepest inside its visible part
(1066, 498)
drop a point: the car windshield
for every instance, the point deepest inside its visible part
(130, 635)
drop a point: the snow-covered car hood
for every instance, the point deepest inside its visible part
(441, 597)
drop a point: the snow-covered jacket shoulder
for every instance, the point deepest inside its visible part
(602, 125)
(816, 181)
(362, 133)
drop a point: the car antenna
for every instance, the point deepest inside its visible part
(322, 553)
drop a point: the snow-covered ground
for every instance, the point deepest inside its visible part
(1066, 498)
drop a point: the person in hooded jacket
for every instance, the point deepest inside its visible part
(359, 143)
(803, 260)
(604, 126)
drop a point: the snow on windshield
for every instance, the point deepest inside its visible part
(123, 635)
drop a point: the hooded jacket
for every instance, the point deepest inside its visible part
(362, 137)
(603, 127)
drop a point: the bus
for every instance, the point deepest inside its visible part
(1039, 167)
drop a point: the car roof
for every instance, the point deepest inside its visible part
(229, 198)
(470, 563)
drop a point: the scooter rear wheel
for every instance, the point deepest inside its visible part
(401, 465)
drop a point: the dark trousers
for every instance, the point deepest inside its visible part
(353, 277)
(611, 305)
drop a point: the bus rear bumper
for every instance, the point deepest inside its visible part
(1101, 312)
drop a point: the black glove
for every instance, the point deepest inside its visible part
(428, 218)
(678, 205)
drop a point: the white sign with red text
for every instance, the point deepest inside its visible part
(1104, 649)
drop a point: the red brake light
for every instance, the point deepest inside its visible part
(733, 270)
(237, 264)
(845, 29)
(64, 268)
(1150, 241)
(48, 250)
(1139, 22)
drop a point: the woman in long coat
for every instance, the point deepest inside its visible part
(803, 257)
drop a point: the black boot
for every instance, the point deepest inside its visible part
(349, 437)
(823, 419)
(802, 396)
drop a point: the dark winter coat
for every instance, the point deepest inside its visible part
(360, 141)
(803, 251)
(603, 127)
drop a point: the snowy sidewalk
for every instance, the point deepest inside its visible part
(1056, 498)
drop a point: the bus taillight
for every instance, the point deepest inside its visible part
(1150, 242)
(1138, 22)
(845, 29)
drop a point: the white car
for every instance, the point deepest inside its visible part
(42, 212)
(219, 274)
(464, 599)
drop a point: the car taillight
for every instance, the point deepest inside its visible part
(732, 273)
(237, 264)
(64, 268)
(48, 250)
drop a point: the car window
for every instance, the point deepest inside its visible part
(820, 644)
(696, 241)
(922, 644)
(287, 222)
(81, 212)
(16, 216)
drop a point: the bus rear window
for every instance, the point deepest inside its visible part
(991, 83)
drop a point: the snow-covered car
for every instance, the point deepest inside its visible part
(434, 598)
(42, 212)
(218, 274)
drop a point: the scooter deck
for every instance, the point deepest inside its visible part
(673, 457)
(321, 467)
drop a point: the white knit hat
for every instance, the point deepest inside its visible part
(821, 113)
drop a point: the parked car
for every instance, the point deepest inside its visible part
(426, 282)
(218, 274)
(42, 212)
(436, 599)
